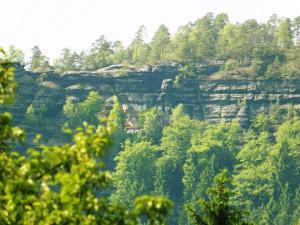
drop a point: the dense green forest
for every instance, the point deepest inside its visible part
(179, 159)
(166, 168)
(173, 156)
(250, 49)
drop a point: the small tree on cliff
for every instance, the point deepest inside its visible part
(38, 62)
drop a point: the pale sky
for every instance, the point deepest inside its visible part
(75, 24)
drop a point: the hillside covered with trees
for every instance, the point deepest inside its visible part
(97, 159)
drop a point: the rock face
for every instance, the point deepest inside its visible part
(212, 100)
(225, 100)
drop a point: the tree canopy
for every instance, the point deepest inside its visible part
(251, 50)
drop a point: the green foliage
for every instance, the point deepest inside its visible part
(181, 45)
(263, 160)
(291, 68)
(174, 145)
(117, 115)
(231, 65)
(266, 177)
(256, 68)
(61, 184)
(90, 107)
(7, 86)
(213, 148)
(135, 172)
(64, 184)
(284, 36)
(155, 208)
(203, 38)
(150, 122)
(34, 116)
(100, 54)
(267, 61)
(67, 184)
(120, 54)
(15, 55)
(69, 108)
(38, 61)
(69, 61)
(259, 50)
(138, 49)
(274, 69)
(217, 210)
(8, 134)
(86, 110)
(160, 44)
(229, 43)
(117, 118)
(187, 71)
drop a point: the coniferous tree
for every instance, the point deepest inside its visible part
(38, 62)
(160, 44)
(217, 210)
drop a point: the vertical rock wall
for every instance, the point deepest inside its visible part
(212, 100)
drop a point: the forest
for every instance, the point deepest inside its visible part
(171, 168)
(251, 50)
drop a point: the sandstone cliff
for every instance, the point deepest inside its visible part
(212, 100)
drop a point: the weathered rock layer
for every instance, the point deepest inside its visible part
(212, 100)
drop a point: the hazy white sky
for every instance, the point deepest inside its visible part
(55, 24)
